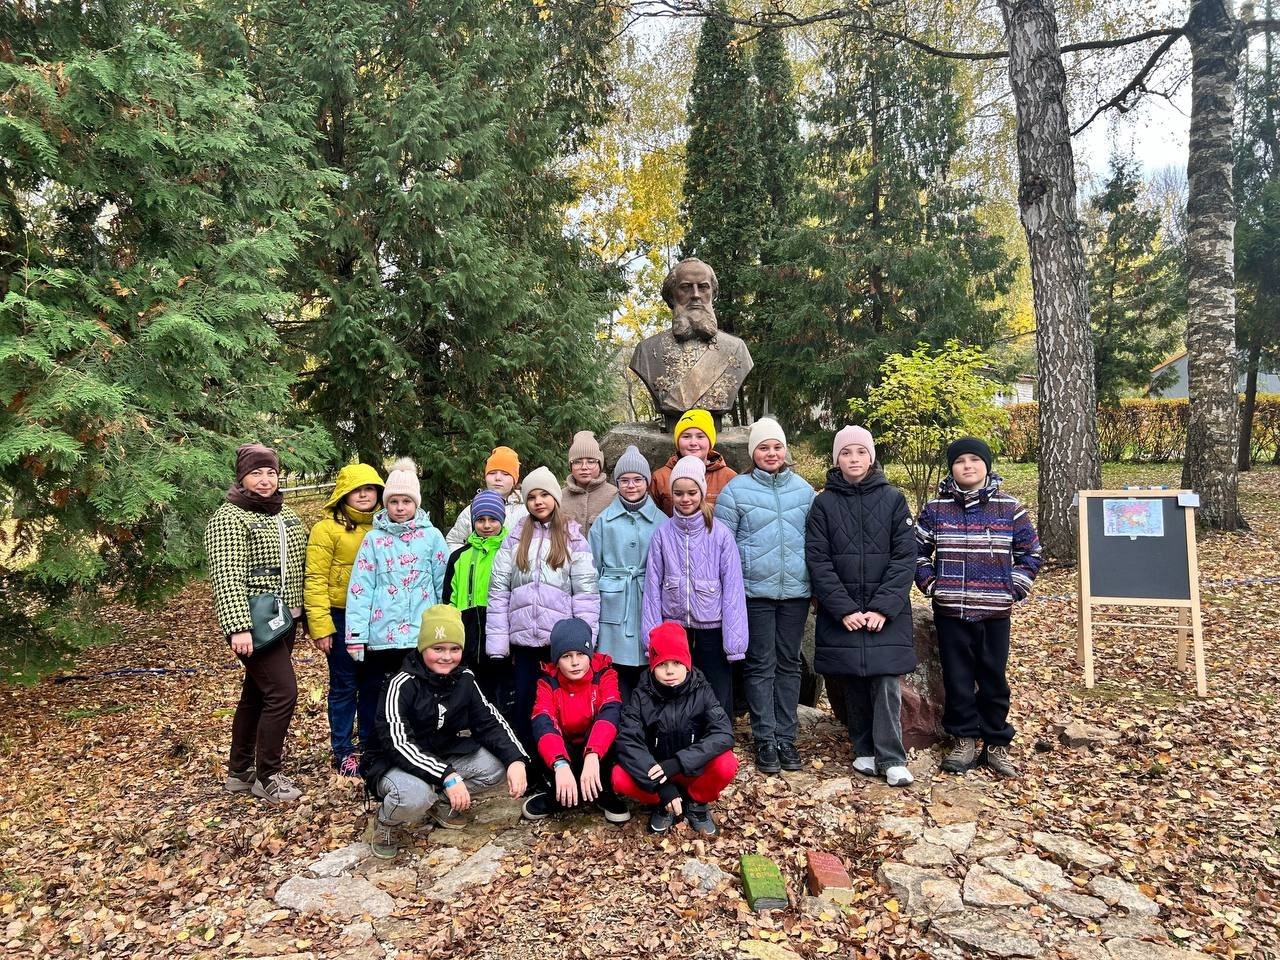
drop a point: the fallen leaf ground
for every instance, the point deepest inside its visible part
(116, 840)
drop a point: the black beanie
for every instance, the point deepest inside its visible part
(570, 635)
(968, 445)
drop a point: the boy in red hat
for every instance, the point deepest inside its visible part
(675, 745)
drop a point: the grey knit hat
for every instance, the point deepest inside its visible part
(632, 462)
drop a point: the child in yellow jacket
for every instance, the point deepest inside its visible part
(331, 551)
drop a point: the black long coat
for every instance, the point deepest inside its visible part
(860, 548)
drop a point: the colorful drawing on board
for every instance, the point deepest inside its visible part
(1133, 518)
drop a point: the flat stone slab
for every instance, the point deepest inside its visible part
(832, 789)
(1122, 893)
(910, 827)
(343, 860)
(1078, 735)
(956, 837)
(1030, 872)
(992, 846)
(1082, 948)
(986, 888)
(924, 894)
(336, 896)
(1122, 948)
(1070, 850)
(1133, 928)
(921, 854)
(398, 881)
(998, 933)
(705, 877)
(1077, 904)
(479, 869)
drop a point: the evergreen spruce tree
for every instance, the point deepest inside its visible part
(1133, 285)
(443, 307)
(777, 117)
(147, 212)
(723, 192)
(890, 251)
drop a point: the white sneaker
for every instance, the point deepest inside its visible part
(865, 766)
(899, 777)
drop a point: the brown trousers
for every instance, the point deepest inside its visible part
(267, 698)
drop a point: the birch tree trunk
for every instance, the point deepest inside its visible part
(1047, 201)
(1213, 427)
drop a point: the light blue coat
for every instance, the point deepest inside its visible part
(619, 540)
(766, 513)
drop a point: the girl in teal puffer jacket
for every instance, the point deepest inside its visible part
(766, 511)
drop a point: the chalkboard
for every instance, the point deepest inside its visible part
(1146, 566)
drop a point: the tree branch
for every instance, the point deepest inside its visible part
(1261, 26)
(1136, 84)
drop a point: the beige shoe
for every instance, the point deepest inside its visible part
(963, 756)
(1001, 764)
(444, 816)
(382, 839)
(277, 789)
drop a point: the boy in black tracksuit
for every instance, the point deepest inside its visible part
(420, 751)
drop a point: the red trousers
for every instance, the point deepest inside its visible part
(704, 788)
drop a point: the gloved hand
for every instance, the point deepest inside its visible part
(356, 652)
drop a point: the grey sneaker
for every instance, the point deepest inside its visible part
(865, 766)
(383, 840)
(963, 756)
(238, 782)
(1000, 762)
(444, 816)
(277, 789)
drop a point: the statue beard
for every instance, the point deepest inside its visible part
(694, 322)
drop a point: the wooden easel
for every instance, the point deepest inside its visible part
(1188, 609)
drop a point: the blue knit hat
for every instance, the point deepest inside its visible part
(570, 635)
(488, 503)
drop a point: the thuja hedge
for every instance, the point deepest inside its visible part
(1141, 431)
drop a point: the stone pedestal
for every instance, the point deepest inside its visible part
(657, 445)
(922, 692)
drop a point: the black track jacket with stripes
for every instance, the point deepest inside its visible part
(426, 719)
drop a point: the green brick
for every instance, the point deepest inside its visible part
(762, 881)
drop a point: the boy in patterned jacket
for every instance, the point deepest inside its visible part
(978, 555)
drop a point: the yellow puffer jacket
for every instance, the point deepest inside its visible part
(332, 549)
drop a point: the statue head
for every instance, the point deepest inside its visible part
(690, 290)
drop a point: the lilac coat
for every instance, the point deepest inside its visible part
(694, 577)
(525, 604)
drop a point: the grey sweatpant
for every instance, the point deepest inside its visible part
(406, 798)
(875, 719)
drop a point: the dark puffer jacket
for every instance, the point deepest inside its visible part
(860, 547)
(684, 728)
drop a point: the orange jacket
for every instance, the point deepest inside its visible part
(718, 474)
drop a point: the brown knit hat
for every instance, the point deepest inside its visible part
(251, 456)
(585, 447)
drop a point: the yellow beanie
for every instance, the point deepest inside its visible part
(441, 624)
(696, 418)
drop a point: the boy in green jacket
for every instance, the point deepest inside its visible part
(466, 587)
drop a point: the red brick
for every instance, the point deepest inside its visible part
(826, 870)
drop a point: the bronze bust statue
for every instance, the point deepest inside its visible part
(694, 364)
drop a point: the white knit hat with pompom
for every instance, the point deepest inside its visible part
(403, 480)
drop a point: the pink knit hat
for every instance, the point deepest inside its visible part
(851, 434)
(690, 468)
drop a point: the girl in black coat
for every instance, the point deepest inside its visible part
(861, 552)
(675, 743)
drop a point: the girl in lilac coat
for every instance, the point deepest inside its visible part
(694, 577)
(543, 573)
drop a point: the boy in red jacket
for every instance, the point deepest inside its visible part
(575, 719)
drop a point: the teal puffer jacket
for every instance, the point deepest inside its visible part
(766, 513)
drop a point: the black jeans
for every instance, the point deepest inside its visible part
(576, 757)
(526, 664)
(708, 656)
(772, 670)
(974, 655)
(628, 680)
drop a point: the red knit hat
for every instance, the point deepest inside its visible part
(668, 641)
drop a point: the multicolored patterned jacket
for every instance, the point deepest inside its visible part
(978, 553)
(398, 573)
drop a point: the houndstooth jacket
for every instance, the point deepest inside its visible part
(244, 558)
